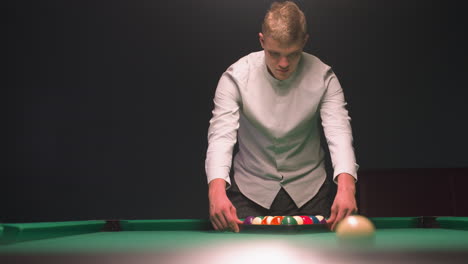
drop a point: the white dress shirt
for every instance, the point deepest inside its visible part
(276, 123)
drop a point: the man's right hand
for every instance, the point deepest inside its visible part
(223, 214)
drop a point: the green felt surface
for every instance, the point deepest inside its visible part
(167, 235)
(130, 241)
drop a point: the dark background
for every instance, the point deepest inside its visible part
(108, 102)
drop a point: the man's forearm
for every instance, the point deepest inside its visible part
(346, 183)
(216, 187)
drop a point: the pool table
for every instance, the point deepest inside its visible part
(396, 240)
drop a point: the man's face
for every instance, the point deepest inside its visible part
(281, 58)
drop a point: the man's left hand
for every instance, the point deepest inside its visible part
(345, 200)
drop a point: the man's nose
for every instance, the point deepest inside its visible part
(283, 62)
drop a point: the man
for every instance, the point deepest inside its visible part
(271, 101)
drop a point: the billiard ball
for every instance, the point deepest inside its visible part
(306, 220)
(257, 220)
(267, 220)
(298, 220)
(289, 220)
(355, 226)
(248, 220)
(276, 220)
(322, 219)
(314, 219)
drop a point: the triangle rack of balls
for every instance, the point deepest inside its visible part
(285, 220)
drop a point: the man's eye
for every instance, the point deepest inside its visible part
(294, 55)
(274, 54)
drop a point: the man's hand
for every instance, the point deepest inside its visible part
(223, 214)
(345, 200)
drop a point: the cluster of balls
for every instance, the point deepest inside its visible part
(285, 220)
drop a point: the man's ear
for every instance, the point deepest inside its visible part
(261, 39)
(306, 39)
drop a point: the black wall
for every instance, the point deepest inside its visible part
(108, 102)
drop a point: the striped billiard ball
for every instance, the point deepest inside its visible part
(276, 220)
(315, 220)
(299, 220)
(267, 220)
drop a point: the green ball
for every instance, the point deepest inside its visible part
(289, 220)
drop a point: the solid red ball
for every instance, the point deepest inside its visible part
(306, 219)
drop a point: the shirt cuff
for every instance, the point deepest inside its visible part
(352, 170)
(219, 173)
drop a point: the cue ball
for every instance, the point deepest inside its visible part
(355, 226)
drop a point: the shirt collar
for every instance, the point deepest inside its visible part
(281, 83)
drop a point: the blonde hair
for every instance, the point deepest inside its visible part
(285, 22)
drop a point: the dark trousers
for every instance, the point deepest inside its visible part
(283, 204)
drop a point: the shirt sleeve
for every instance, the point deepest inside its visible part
(337, 128)
(222, 132)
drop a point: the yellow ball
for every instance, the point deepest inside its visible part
(355, 226)
(257, 221)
